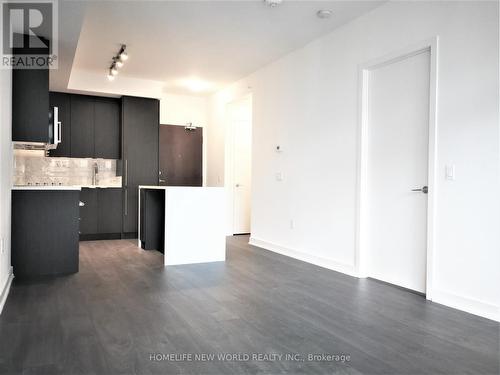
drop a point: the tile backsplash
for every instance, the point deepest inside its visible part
(33, 168)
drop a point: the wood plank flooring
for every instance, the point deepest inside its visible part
(124, 306)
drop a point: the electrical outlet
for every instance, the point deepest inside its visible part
(292, 224)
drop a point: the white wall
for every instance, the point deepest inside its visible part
(308, 103)
(181, 109)
(5, 179)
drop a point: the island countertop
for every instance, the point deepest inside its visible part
(178, 187)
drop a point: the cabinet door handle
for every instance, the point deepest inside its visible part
(126, 202)
(126, 172)
(59, 125)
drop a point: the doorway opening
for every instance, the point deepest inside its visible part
(396, 171)
(239, 164)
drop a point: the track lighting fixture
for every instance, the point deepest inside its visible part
(117, 63)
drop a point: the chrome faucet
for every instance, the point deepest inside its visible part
(95, 172)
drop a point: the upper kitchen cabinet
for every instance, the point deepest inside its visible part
(63, 102)
(140, 121)
(82, 126)
(30, 105)
(90, 126)
(107, 128)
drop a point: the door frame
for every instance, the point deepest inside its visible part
(361, 248)
(229, 159)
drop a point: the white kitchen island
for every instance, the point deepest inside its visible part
(194, 229)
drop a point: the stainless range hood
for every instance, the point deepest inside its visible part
(33, 146)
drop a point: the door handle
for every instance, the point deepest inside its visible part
(423, 189)
(161, 180)
(238, 185)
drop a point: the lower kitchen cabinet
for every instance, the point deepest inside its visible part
(88, 212)
(109, 210)
(101, 215)
(44, 232)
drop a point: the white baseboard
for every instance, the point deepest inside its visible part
(468, 305)
(472, 306)
(6, 289)
(297, 254)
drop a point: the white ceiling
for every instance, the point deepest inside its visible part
(169, 42)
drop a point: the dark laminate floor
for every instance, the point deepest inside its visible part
(124, 305)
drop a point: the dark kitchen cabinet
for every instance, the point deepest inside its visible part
(107, 128)
(101, 216)
(63, 102)
(140, 126)
(44, 232)
(88, 212)
(82, 126)
(109, 210)
(90, 126)
(30, 105)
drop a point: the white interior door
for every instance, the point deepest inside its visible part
(397, 149)
(241, 123)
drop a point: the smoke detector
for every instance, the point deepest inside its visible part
(273, 3)
(324, 13)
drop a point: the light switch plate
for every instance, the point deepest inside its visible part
(450, 172)
(279, 176)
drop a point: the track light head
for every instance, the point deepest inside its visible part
(123, 55)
